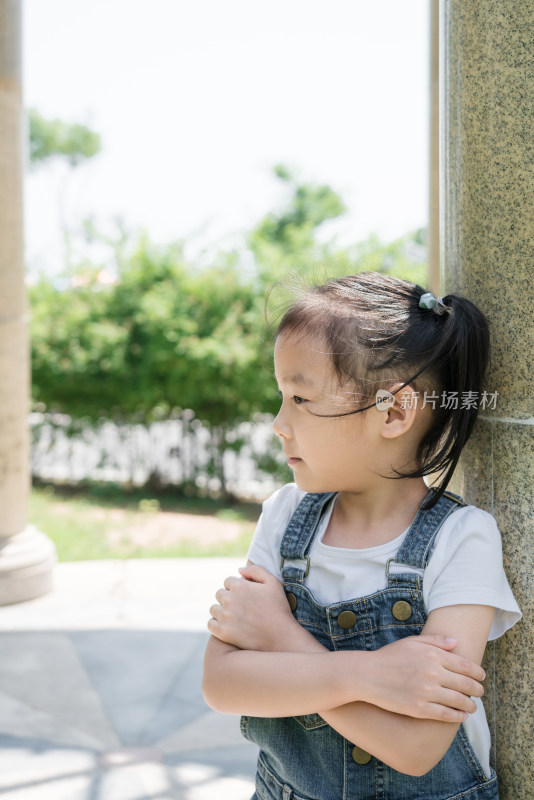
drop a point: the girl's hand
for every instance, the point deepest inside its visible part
(252, 612)
(419, 677)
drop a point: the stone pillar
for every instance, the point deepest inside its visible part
(487, 206)
(26, 555)
(433, 152)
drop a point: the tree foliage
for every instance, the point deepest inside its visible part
(161, 336)
(286, 239)
(56, 139)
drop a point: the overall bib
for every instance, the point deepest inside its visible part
(303, 758)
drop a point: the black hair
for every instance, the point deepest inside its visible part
(376, 333)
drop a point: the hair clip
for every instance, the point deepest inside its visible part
(432, 303)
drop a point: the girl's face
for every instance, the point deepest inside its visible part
(325, 454)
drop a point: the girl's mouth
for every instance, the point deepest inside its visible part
(293, 461)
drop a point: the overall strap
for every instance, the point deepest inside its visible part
(299, 534)
(418, 541)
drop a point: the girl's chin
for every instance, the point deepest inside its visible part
(307, 484)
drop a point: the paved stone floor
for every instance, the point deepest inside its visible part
(100, 688)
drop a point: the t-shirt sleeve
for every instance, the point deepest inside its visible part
(259, 551)
(276, 512)
(466, 568)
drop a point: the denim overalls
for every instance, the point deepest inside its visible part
(303, 758)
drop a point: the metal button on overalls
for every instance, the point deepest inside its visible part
(402, 610)
(346, 620)
(292, 600)
(361, 756)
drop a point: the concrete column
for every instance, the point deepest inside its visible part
(26, 555)
(487, 206)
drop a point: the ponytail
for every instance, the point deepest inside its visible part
(460, 363)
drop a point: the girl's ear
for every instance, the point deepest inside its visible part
(400, 415)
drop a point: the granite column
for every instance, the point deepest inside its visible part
(487, 240)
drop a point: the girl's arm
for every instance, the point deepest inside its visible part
(415, 676)
(407, 677)
(409, 745)
(275, 683)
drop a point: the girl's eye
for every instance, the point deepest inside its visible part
(296, 399)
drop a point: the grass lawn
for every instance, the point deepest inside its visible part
(106, 521)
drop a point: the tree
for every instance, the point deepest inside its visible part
(286, 242)
(286, 238)
(55, 139)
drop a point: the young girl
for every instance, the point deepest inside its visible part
(352, 641)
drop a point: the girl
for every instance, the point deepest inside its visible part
(337, 641)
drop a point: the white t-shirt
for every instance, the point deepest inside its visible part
(465, 566)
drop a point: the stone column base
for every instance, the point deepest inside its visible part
(27, 561)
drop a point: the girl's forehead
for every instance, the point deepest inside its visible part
(302, 357)
(294, 345)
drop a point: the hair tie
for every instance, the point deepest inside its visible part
(432, 303)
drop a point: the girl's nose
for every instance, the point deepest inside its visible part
(280, 426)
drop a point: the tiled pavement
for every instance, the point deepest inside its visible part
(100, 688)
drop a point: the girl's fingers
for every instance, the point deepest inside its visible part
(443, 713)
(220, 594)
(448, 706)
(466, 686)
(253, 572)
(451, 661)
(463, 702)
(214, 611)
(457, 701)
(215, 629)
(462, 686)
(462, 666)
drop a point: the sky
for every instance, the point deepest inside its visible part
(197, 100)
